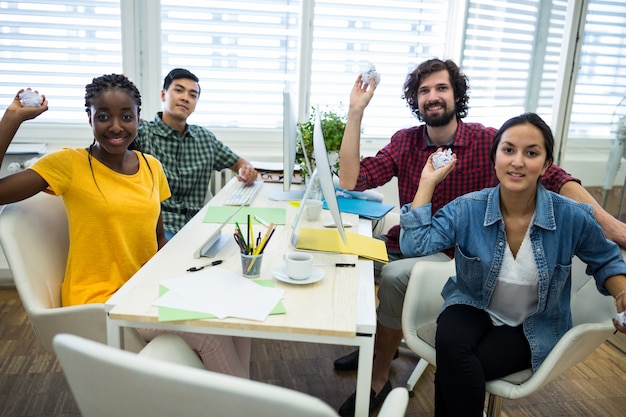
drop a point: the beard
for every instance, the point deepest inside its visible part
(440, 120)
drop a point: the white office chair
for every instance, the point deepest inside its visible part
(110, 382)
(591, 311)
(34, 237)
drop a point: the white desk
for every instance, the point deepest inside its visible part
(339, 309)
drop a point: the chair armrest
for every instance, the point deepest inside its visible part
(573, 347)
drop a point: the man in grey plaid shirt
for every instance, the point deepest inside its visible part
(189, 153)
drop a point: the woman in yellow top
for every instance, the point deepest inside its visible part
(112, 196)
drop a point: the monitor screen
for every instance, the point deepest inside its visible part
(325, 175)
(290, 135)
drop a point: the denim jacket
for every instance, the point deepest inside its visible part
(561, 228)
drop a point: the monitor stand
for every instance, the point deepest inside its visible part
(212, 248)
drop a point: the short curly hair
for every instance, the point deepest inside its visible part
(459, 81)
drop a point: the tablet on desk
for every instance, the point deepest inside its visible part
(216, 240)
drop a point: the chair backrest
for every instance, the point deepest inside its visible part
(35, 240)
(587, 304)
(110, 382)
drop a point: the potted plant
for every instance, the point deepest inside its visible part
(333, 125)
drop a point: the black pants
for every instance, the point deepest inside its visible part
(470, 351)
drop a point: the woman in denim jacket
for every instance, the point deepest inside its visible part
(509, 303)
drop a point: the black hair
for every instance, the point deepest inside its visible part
(177, 74)
(110, 82)
(459, 81)
(522, 119)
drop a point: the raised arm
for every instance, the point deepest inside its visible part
(25, 183)
(429, 179)
(350, 151)
(13, 117)
(614, 229)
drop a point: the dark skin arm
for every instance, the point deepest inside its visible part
(23, 184)
(160, 233)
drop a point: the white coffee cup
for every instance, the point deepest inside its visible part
(298, 265)
(312, 208)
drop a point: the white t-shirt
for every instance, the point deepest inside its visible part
(516, 293)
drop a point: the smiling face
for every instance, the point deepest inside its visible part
(114, 118)
(521, 157)
(436, 99)
(179, 100)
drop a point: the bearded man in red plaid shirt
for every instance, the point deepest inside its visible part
(437, 93)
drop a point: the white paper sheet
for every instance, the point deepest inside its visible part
(220, 292)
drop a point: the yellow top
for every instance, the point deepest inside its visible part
(112, 220)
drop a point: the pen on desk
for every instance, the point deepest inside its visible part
(339, 265)
(201, 267)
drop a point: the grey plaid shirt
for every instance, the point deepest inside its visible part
(188, 162)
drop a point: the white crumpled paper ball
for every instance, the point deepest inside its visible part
(30, 98)
(369, 73)
(442, 158)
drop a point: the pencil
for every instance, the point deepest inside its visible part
(260, 247)
(265, 239)
(269, 237)
(249, 232)
(260, 220)
(241, 235)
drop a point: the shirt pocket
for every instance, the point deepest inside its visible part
(559, 277)
(469, 275)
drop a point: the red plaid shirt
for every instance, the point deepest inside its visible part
(407, 152)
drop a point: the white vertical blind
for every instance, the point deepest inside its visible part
(243, 52)
(57, 47)
(601, 82)
(510, 58)
(394, 36)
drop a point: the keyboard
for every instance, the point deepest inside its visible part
(243, 194)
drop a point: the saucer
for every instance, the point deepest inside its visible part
(280, 274)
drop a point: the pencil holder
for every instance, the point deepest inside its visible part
(251, 265)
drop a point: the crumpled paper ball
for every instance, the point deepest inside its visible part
(442, 158)
(30, 98)
(369, 73)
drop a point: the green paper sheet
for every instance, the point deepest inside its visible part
(219, 214)
(174, 314)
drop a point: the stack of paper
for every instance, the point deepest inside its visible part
(221, 293)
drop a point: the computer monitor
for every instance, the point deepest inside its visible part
(324, 173)
(290, 137)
